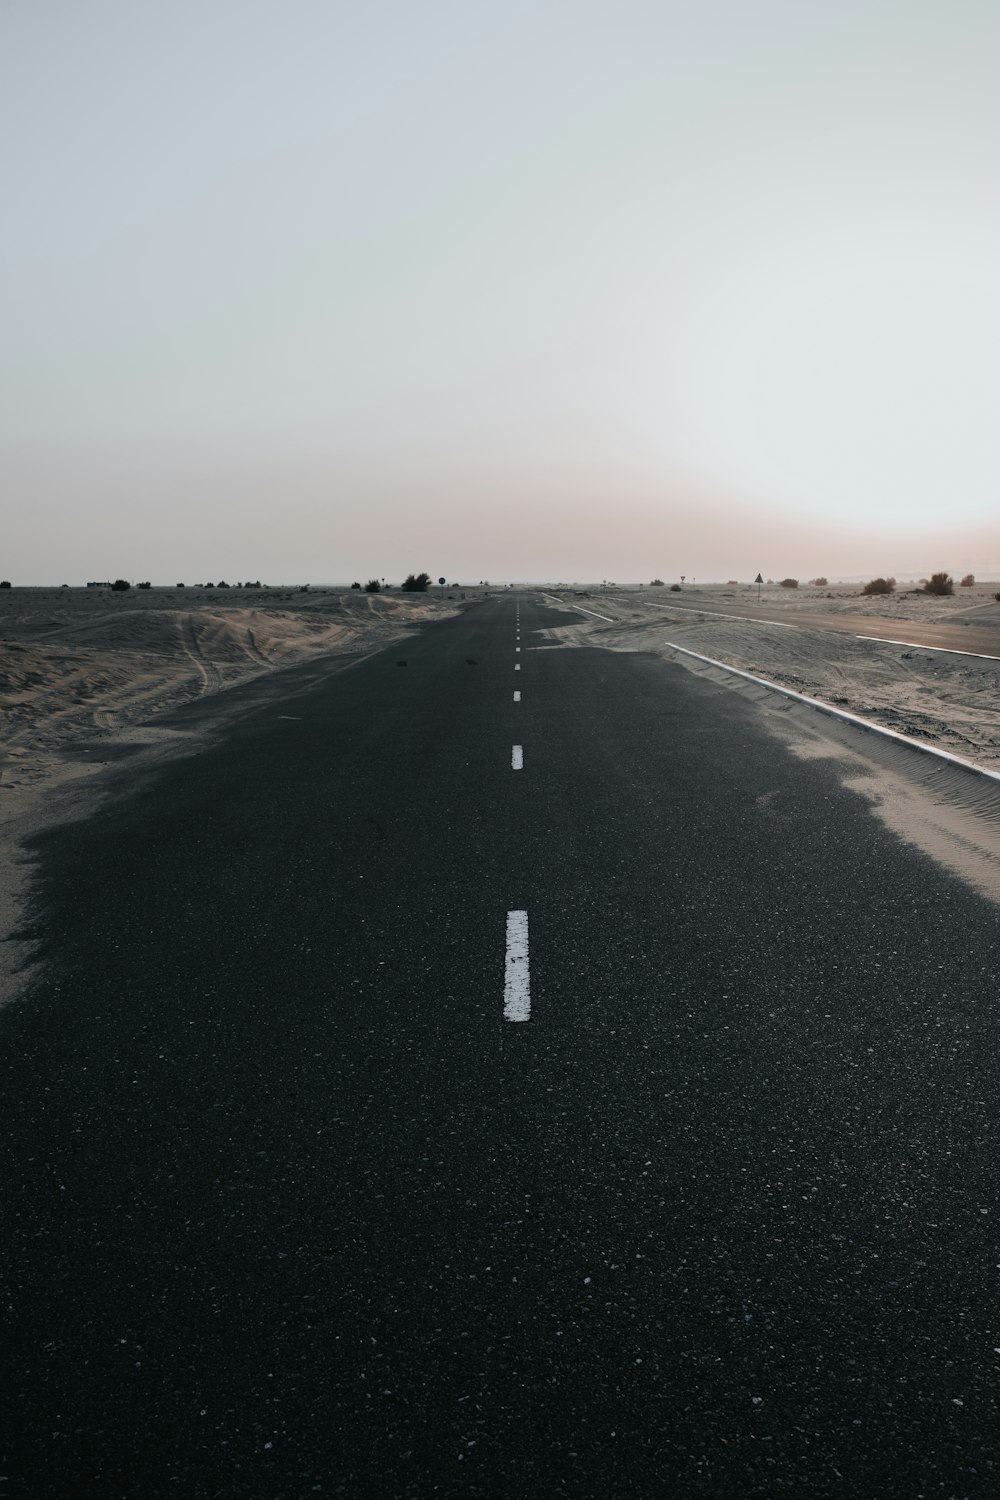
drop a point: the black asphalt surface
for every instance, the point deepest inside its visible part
(289, 1209)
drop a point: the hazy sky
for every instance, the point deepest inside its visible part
(314, 290)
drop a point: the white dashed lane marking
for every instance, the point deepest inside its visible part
(517, 697)
(516, 987)
(517, 758)
(517, 666)
(945, 650)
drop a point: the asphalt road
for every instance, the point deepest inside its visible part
(291, 1209)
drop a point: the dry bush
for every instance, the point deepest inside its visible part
(879, 586)
(789, 583)
(968, 581)
(656, 583)
(820, 582)
(939, 583)
(675, 588)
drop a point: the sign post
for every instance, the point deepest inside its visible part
(758, 581)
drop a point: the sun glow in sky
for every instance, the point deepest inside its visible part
(312, 290)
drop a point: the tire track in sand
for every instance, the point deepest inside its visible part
(210, 675)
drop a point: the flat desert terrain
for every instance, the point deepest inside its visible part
(814, 641)
(87, 676)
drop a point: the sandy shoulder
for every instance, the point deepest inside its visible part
(84, 673)
(950, 701)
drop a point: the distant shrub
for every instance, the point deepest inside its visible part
(356, 586)
(789, 583)
(416, 583)
(968, 581)
(373, 586)
(4, 583)
(656, 583)
(121, 586)
(733, 583)
(939, 583)
(879, 586)
(675, 588)
(179, 585)
(144, 585)
(222, 584)
(820, 582)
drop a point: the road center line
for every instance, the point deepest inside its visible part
(718, 614)
(517, 697)
(516, 988)
(516, 758)
(517, 648)
(517, 666)
(947, 650)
